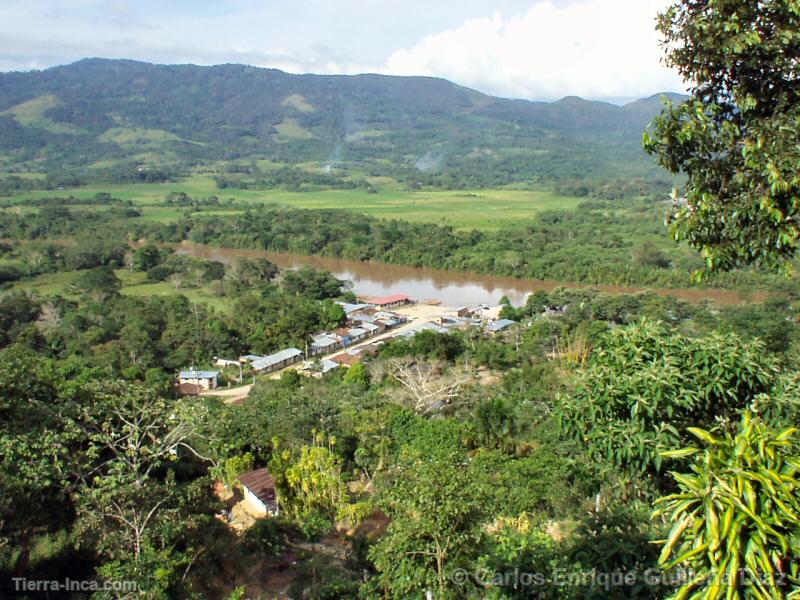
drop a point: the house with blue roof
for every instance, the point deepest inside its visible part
(206, 380)
(500, 325)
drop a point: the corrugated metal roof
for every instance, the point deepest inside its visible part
(328, 365)
(274, 359)
(261, 483)
(324, 341)
(500, 324)
(198, 374)
(348, 308)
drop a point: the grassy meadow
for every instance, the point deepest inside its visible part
(133, 284)
(480, 209)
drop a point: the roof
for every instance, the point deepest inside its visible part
(369, 327)
(429, 326)
(198, 374)
(277, 358)
(327, 366)
(389, 299)
(387, 315)
(324, 340)
(251, 357)
(261, 483)
(500, 324)
(355, 331)
(363, 318)
(348, 308)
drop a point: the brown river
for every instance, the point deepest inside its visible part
(452, 288)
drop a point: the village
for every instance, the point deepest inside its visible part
(370, 323)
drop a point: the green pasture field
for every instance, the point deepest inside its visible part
(133, 284)
(480, 209)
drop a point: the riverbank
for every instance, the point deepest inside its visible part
(452, 288)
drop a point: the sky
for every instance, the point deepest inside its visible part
(533, 49)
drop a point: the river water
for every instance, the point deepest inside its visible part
(452, 288)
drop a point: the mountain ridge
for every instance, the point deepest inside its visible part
(112, 111)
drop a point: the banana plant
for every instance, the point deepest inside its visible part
(735, 520)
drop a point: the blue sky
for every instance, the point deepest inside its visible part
(536, 49)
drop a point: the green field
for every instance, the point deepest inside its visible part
(482, 209)
(133, 284)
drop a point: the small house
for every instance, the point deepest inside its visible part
(277, 361)
(327, 365)
(205, 380)
(324, 343)
(499, 325)
(370, 328)
(389, 301)
(259, 491)
(351, 308)
(357, 334)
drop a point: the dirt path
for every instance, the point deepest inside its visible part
(230, 395)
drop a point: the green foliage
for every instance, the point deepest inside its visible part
(436, 510)
(270, 537)
(235, 466)
(312, 485)
(147, 257)
(736, 139)
(321, 577)
(618, 538)
(98, 284)
(518, 545)
(497, 425)
(734, 518)
(648, 254)
(357, 375)
(644, 386)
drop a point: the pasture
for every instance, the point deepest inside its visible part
(481, 209)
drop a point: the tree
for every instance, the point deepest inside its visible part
(333, 314)
(647, 254)
(147, 257)
(737, 139)
(313, 482)
(357, 375)
(35, 446)
(437, 510)
(98, 284)
(426, 389)
(643, 386)
(497, 425)
(131, 432)
(736, 516)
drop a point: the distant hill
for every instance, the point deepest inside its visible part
(97, 114)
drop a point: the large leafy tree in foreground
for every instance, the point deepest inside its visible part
(643, 386)
(738, 138)
(736, 516)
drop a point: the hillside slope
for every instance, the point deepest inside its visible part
(98, 112)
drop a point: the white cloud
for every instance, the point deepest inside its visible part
(592, 48)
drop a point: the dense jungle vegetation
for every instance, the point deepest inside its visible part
(622, 446)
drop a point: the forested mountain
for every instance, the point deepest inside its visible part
(98, 113)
